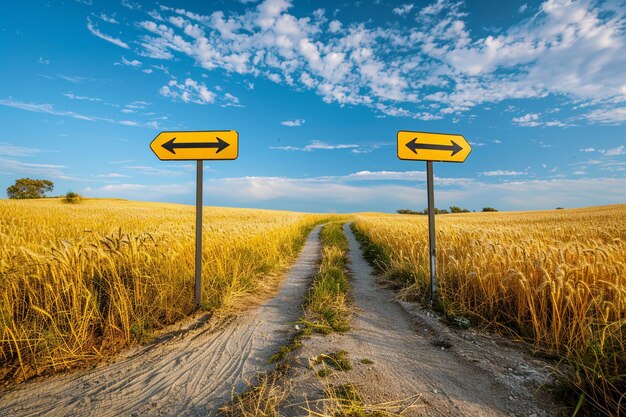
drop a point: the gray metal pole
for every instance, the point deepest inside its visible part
(198, 286)
(434, 285)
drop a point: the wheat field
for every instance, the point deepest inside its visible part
(80, 282)
(554, 278)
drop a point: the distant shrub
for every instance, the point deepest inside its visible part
(72, 198)
(488, 209)
(559, 208)
(457, 209)
(407, 211)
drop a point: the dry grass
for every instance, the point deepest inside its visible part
(262, 399)
(80, 282)
(554, 278)
(345, 400)
(327, 309)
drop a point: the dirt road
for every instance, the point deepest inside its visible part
(410, 358)
(190, 375)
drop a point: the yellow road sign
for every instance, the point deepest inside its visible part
(423, 146)
(212, 144)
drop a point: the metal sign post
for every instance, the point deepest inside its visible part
(197, 146)
(198, 285)
(434, 290)
(429, 147)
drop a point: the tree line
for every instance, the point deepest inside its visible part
(453, 209)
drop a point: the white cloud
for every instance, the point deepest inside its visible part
(614, 151)
(148, 170)
(49, 109)
(230, 100)
(107, 18)
(293, 123)
(502, 173)
(141, 191)
(530, 119)
(134, 63)
(130, 5)
(533, 120)
(43, 61)
(43, 108)
(571, 49)
(523, 8)
(402, 10)
(189, 91)
(7, 149)
(85, 98)
(11, 166)
(587, 150)
(107, 38)
(316, 145)
(334, 26)
(371, 190)
(615, 115)
(113, 175)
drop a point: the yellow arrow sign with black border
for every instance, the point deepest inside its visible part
(204, 145)
(438, 147)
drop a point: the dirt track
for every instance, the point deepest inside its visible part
(472, 376)
(189, 375)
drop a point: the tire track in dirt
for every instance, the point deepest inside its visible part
(189, 375)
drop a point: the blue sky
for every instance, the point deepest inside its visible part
(317, 91)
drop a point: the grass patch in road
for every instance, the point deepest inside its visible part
(366, 361)
(337, 360)
(263, 399)
(327, 301)
(345, 400)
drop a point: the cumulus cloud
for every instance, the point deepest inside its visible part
(533, 120)
(189, 91)
(402, 10)
(426, 71)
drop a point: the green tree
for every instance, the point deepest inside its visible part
(486, 209)
(29, 188)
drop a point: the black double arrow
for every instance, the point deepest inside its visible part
(171, 146)
(414, 146)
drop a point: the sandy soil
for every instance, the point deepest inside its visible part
(190, 374)
(428, 369)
